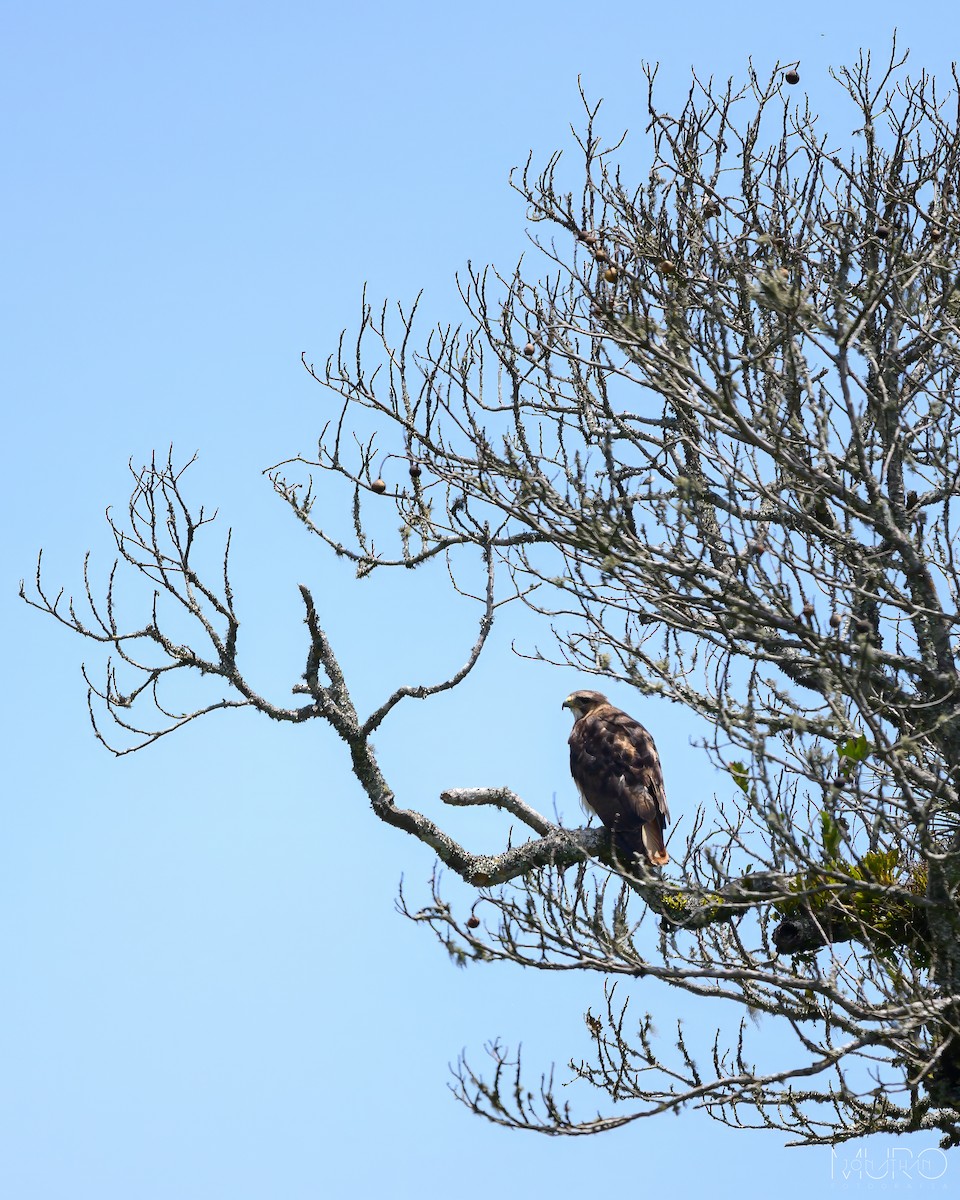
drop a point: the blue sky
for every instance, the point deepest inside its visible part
(206, 990)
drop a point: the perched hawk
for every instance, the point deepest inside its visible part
(616, 768)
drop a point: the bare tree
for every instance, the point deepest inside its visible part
(715, 446)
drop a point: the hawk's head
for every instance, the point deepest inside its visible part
(580, 703)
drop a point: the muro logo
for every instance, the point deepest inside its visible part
(897, 1165)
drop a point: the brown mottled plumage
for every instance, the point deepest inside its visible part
(616, 768)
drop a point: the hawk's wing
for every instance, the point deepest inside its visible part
(616, 768)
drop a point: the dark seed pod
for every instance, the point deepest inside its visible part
(473, 922)
(378, 486)
(792, 77)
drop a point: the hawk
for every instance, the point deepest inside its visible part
(616, 768)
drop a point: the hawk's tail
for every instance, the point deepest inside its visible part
(653, 843)
(647, 842)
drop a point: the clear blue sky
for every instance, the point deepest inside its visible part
(205, 990)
